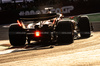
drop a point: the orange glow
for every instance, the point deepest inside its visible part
(37, 34)
(19, 23)
(54, 21)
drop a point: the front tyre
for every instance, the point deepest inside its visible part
(84, 27)
(17, 36)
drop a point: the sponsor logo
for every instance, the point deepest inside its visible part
(65, 9)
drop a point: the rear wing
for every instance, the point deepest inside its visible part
(38, 17)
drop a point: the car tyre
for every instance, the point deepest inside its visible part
(84, 27)
(17, 36)
(65, 32)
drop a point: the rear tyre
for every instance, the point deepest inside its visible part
(65, 32)
(17, 35)
(84, 27)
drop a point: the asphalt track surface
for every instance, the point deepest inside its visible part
(83, 52)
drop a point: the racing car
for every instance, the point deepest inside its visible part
(48, 28)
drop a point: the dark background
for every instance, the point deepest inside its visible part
(10, 14)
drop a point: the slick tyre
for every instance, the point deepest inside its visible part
(84, 27)
(65, 32)
(17, 36)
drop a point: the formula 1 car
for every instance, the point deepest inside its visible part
(48, 28)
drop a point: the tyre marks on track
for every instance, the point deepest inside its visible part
(80, 43)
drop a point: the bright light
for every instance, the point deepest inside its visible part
(37, 34)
